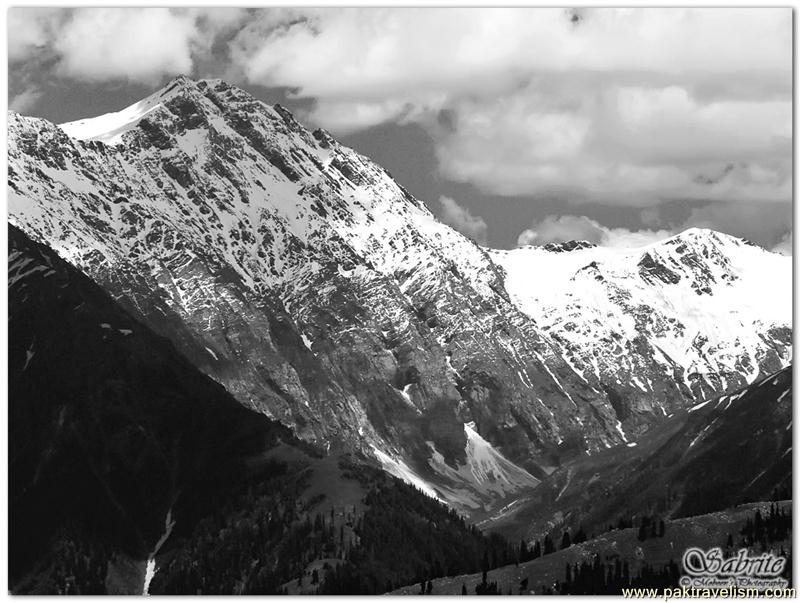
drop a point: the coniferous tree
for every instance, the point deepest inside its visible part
(642, 536)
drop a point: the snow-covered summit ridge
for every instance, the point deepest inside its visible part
(712, 304)
(376, 217)
(689, 235)
(568, 246)
(708, 262)
(212, 212)
(300, 275)
(110, 127)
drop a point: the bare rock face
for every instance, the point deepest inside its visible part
(319, 292)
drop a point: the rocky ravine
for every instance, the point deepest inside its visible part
(301, 276)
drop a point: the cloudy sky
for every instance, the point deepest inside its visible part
(516, 126)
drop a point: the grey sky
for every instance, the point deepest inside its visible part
(621, 126)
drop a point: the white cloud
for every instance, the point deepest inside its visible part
(630, 106)
(379, 53)
(25, 100)
(650, 216)
(758, 222)
(212, 24)
(558, 229)
(618, 106)
(462, 220)
(119, 44)
(784, 246)
(29, 31)
(347, 117)
(620, 146)
(135, 44)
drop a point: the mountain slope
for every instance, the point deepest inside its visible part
(662, 325)
(302, 277)
(619, 546)
(113, 435)
(132, 472)
(719, 453)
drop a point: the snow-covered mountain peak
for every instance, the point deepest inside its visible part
(183, 103)
(703, 240)
(303, 277)
(704, 305)
(696, 233)
(110, 127)
(214, 138)
(568, 246)
(299, 274)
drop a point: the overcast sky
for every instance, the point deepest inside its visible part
(516, 126)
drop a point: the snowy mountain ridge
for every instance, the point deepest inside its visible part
(302, 277)
(706, 307)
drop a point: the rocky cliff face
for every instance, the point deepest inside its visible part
(301, 276)
(133, 473)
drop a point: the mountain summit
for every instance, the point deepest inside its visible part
(686, 318)
(319, 292)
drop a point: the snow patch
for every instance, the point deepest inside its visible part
(150, 568)
(698, 406)
(28, 356)
(400, 470)
(110, 127)
(486, 464)
(449, 360)
(621, 431)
